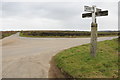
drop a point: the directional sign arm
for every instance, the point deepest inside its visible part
(98, 10)
(88, 9)
(102, 13)
(98, 14)
(86, 15)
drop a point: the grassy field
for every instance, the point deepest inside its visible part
(6, 33)
(67, 34)
(76, 62)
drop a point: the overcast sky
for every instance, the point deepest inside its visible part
(55, 16)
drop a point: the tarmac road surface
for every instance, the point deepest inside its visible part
(29, 57)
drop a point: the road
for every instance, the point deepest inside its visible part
(29, 57)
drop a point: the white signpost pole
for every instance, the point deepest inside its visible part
(93, 14)
(93, 48)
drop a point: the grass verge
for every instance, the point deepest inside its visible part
(77, 62)
(6, 34)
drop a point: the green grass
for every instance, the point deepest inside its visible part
(78, 63)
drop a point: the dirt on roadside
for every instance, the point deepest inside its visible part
(54, 71)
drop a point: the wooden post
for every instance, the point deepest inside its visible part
(93, 48)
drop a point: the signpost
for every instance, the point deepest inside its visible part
(95, 12)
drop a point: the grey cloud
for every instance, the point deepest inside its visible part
(68, 13)
(119, 15)
(48, 10)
